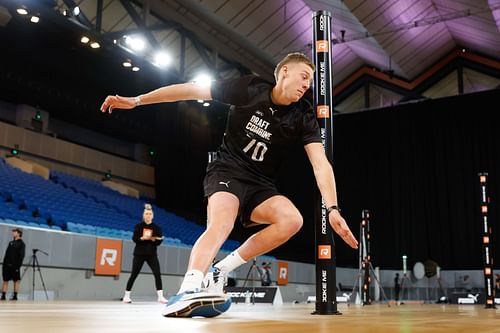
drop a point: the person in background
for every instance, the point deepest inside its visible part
(265, 274)
(12, 262)
(147, 236)
(397, 288)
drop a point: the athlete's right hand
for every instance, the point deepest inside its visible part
(117, 102)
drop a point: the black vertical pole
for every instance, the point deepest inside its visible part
(326, 302)
(489, 284)
(365, 232)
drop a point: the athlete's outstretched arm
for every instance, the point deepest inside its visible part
(172, 93)
(323, 172)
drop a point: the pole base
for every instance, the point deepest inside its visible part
(338, 313)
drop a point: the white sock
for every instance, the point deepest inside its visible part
(232, 261)
(192, 280)
(127, 294)
(160, 293)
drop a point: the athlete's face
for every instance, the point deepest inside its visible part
(148, 216)
(297, 79)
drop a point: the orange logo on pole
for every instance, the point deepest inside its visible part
(321, 46)
(282, 273)
(324, 252)
(108, 257)
(323, 111)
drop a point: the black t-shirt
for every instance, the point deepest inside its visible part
(14, 255)
(259, 132)
(146, 247)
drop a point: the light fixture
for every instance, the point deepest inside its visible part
(95, 45)
(35, 19)
(162, 59)
(201, 101)
(203, 79)
(206, 104)
(76, 11)
(85, 40)
(22, 11)
(127, 63)
(136, 43)
(135, 69)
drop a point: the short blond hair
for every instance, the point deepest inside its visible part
(293, 57)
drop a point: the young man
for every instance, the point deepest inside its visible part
(12, 262)
(262, 122)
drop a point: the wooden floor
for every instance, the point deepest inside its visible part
(58, 316)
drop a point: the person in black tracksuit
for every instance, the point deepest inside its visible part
(12, 262)
(147, 236)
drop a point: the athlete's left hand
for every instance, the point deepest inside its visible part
(342, 229)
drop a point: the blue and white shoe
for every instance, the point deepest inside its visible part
(197, 303)
(215, 281)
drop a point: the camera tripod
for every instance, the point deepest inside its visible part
(251, 272)
(33, 263)
(372, 271)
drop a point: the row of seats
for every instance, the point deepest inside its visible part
(76, 204)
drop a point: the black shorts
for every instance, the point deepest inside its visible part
(250, 190)
(11, 272)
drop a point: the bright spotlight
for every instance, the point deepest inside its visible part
(135, 43)
(135, 69)
(22, 11)
(127, 63)
(35, 19)
(206, 104)
(85, 40)
(162, 59)
(76, 11)
(95, 45)
(203, 79)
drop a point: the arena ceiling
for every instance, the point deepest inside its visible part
(400, 41)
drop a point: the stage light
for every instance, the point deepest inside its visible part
(85, 40)
(35, 19)
(162, 59)
(76, 11)
(203, 79)
(135, 43)
(206, 104)
(22, 11)
(201, 101)
(127, 63)
(95, 45)
(135, 69)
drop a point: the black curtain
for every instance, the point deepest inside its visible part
(414, 166)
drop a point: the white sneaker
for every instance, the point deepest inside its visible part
(197, 303)
(162, 300)
(126, 299)
(215, 281)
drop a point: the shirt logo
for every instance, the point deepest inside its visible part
(225, 183)
(272, 111)
(260, 113)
